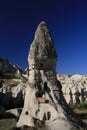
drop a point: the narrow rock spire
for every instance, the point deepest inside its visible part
(42, 53)
(44, 100)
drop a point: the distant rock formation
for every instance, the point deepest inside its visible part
(4, 60)
(8, 70)
(12, 88)
(44, 100)
(74, 87)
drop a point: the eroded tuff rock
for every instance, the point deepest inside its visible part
(12, 96)
(11, 85)
(44, 101)
(74, 87)
(12, 79)
(42, 54)
(8, 70)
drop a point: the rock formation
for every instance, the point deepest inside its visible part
(7, 70)
(44, 106)
(12, 96)
(74, 88)
(11, 84)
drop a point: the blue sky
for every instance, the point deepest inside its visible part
(67, 21)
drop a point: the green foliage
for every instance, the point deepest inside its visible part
(74, 128)
(82, 105)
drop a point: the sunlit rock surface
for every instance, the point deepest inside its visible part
(44, 100)
(74, 87)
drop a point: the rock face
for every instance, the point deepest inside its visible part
(42, 54)
(12, 96)
(44, 101)
(74, 87)
(11, 84)
(7, 70)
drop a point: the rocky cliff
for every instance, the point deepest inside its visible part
(8, 70)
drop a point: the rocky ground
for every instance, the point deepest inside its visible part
(9, 123)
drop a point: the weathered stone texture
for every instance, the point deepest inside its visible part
(54, 112)
(42, 54)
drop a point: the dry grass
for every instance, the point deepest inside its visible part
(7, 124)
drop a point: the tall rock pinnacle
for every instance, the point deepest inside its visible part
(44, 100)
(42, 53)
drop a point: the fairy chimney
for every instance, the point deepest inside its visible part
(42, 82)
(42, 54)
